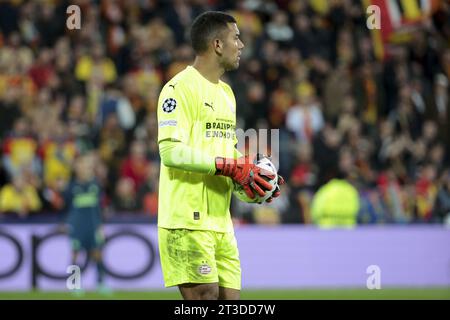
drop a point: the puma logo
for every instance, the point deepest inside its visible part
(172, 85)
(209, 105)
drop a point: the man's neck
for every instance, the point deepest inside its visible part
(208, 68)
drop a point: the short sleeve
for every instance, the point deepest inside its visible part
(174, 113)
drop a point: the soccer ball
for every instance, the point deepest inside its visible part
(267, 165)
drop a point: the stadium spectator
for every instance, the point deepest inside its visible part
(19, 197)
(125, 198)
(372, 208)
(20, 150)
(96, 66)
(135, 166)
(425, 190)
(111, 142)
(58, 154)
(146, 132)
(325, 150)
(278, 28)
(10, 110)
(305, 119)
(302, 181)
(441, 209)
(148, 192)
(113, 101)
(42, 71)
(396, 197)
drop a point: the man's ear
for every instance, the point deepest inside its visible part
(218, 46)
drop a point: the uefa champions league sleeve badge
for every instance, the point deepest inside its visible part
(169, 105)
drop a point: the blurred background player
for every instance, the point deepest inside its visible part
(84, 215)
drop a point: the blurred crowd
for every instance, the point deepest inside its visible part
(373, 133)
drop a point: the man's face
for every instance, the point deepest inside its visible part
(85, 167)
(232, 47)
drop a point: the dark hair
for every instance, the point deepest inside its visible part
(206, 26)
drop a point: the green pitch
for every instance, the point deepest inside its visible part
(309, 294)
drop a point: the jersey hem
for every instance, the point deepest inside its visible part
(196, 228)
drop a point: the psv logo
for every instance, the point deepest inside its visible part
(204, 269)
(169, 105)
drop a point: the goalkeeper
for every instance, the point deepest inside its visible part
(200, 165)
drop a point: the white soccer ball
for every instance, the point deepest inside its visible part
(267, 165)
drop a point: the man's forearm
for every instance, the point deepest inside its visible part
(175, 154)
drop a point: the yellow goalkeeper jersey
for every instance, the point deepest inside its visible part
(202, 115)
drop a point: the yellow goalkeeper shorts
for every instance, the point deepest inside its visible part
(199, 256)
